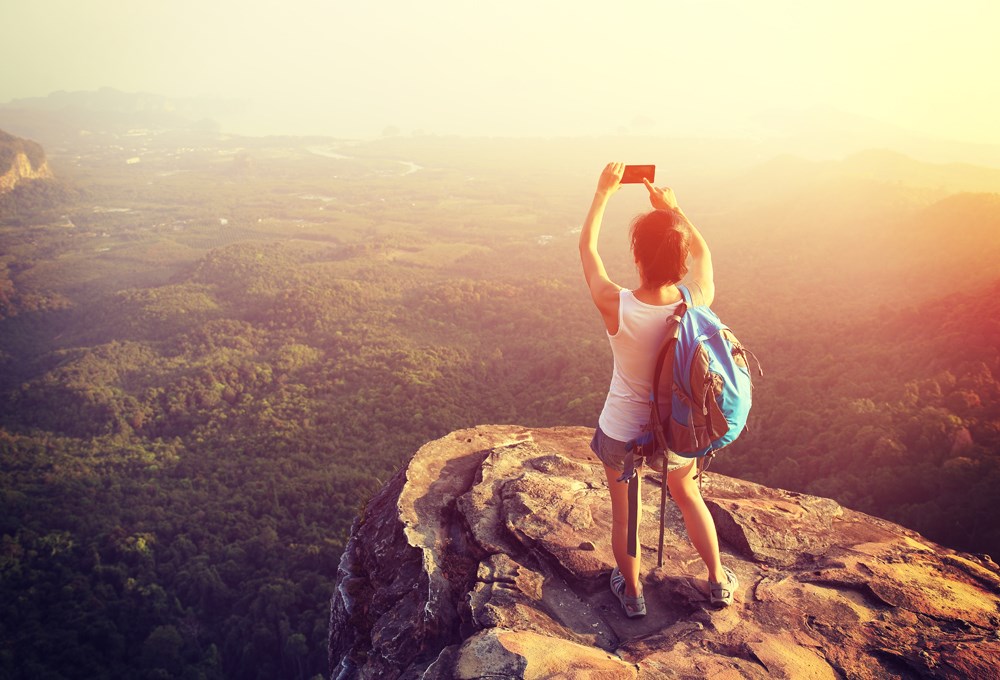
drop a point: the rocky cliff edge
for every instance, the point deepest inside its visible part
(487, 556)
(20, 159)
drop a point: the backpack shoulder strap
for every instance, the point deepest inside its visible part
(665, 360)
(686, 294)
(694, 294)
(665, 357)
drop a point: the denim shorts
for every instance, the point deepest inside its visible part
(611, 452)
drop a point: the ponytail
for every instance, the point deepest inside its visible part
(661, 240)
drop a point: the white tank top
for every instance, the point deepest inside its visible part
(641, 330)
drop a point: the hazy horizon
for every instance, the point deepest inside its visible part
(718, 68)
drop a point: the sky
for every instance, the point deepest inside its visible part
(360, 69)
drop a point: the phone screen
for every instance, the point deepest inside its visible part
(634, 174)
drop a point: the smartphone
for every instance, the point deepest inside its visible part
(634, 174)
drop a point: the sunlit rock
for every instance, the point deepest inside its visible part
(20, 160)
(488, 556)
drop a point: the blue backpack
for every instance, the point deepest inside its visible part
(701, 397)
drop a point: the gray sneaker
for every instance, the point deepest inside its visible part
(722, 593)
(633, 606)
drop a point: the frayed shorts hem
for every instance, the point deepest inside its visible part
(611, 452)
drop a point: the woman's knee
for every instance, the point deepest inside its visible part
(683, 485)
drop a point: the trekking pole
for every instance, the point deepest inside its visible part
(663, 507)
(633, 514)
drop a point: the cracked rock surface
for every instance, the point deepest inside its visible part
(488, 556)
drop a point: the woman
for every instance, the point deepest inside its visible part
(662, 243)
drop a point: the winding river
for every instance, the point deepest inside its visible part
(409, 166)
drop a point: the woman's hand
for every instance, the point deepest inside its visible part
(661, 199)
(611, 179)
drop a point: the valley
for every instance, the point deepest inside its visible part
(212, 356)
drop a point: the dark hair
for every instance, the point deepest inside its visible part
(661, 240)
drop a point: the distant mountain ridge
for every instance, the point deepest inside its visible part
(816, 134)
(61, 116)
(825, 132)
(112, 100)
(20, 160)
(784, 175)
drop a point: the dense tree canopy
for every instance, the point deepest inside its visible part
(195, 409)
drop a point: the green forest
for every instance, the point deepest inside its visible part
(212, 358)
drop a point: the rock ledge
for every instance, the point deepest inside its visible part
(488, 556)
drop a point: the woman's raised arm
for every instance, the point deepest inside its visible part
(701, 270)
(603, 291)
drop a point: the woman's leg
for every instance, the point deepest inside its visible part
(627, 565)
(698, 520)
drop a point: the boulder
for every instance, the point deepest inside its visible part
(488, 555)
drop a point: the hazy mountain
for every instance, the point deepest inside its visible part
(785, 174)
(816, 134)
(63, 115)
(829, 133)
